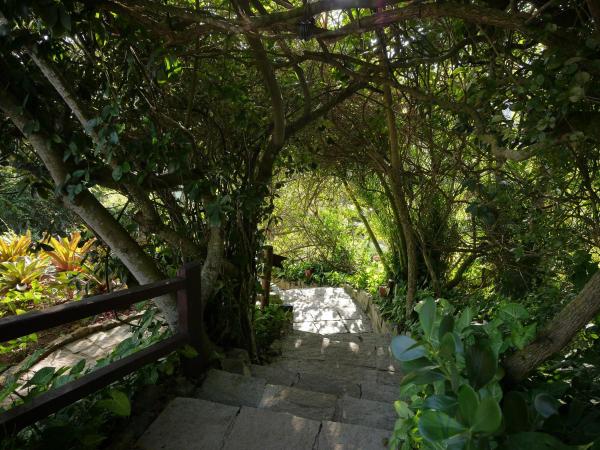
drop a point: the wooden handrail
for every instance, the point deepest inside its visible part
(24, 324)
(51, 401)
(187, 287)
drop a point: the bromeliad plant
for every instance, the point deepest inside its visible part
(14, 246)
(20, 274)
(69, 253)
(451, 396)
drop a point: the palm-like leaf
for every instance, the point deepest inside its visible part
(67, 254)
(14, 246)
(20, 273)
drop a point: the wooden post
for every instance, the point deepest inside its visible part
(191, 318)
(266, 278)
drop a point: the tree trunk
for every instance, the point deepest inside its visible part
(400, 200)
(558, 333)
(90, 210)
(435, 281)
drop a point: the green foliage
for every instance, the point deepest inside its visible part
(368, 278)
(451, 394)
(19, 275)
(31, 279)
(270, 323)
(90, 421)
(69, 253)
(13, 246)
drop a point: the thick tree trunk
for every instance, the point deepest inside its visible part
(148, 217)
(558, 333)
(89, 209)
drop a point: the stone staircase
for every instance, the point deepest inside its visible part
(325, 392)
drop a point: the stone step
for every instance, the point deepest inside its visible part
(299, 402)
(232, 389)
(303, 395)
(240, 390)
(351, 352)
(366, 412)
(368, 384)
(194, 424)
(363, 337)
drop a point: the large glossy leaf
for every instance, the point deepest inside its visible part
(402, 409)
(481, 364)
(468, 402)
(42, 377)
(443, 403)
(464, 320)
(118, 404)
(437, 426)
(488, 416)
(427, 316)
(513, 311)
(415, 364)
(405, 348)
(426, 375)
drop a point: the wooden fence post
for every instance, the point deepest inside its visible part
(191, 318)
(266, 278)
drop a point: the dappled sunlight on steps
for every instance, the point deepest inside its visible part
(329, 390)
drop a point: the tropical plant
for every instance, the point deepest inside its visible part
(14, 246)
(270, 323)
(451, 394)
(69, 253)
(21, 273)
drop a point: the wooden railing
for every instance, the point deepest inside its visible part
(187, 287)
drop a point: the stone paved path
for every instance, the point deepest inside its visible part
(325, 310)
(332, 388)
(91, 348)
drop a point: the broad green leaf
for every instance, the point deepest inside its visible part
(405, 348)
(427, 316)
(42, 377)
(118, 404)
(513, 311)
(402, 409)
(524, 335)
(437, 426)
(423, 376)
(443, 403)
(464, 320)
(545, 405)
(468, 402)
(188, 351)
(78, 368)
(481, 364)
(30, 360)
(488, 416)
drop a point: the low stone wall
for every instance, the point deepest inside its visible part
(366, 303)
(285, 284)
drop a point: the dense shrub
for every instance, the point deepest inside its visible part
(452, 395)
